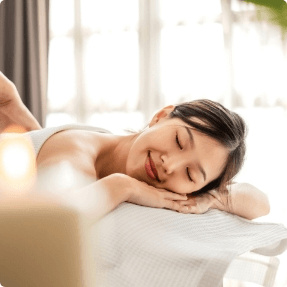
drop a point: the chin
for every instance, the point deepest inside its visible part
(135, 174)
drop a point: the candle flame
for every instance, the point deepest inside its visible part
(17, 161)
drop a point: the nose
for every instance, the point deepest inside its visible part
(172, 164)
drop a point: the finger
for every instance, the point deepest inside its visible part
(174, 196)
(170, 204)
(183, 209)
(183, 202)
(186, 210)
(190, 209)
(166, 190)
(194, 209)
(198, 209)
(189, 201)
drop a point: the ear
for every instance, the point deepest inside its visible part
(161, 114)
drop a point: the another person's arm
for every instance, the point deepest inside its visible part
(12, 109)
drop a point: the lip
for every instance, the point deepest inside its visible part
(150, 168)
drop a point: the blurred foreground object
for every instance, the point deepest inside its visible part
(43, 243)
(274, 11)
(17, 162)
(44, 240)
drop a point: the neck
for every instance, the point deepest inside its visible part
(113, 153)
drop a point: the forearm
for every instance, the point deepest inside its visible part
(107, 193)
(244, 200)
(99, 198)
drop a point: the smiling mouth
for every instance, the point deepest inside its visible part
(150, 169)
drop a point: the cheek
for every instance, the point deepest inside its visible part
(131, 163)
(218, 164)
(179, 185)
(135, 164)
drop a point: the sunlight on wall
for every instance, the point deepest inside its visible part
(266, 158)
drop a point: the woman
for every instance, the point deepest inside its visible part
(192, 149)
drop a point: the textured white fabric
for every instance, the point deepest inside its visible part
(141, 246)
(255, 268)
(138, 246)
(39, 137)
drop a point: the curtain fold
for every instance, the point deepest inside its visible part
(24, 40)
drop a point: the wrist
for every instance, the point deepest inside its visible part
(216, 200)
(119, 182)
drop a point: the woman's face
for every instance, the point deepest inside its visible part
(185, 159)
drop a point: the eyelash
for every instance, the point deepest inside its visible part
(188, 175)
(176, 138)
(178, 143)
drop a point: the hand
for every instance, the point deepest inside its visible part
(197, 204)
(143, 194)
(12, 109)
(8, 93)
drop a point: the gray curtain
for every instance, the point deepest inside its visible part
(24, 40)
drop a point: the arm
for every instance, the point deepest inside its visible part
(12, 109)
(244, 200)
(104, 195)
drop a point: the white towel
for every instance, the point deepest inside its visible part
(139, 246)
(39, 137)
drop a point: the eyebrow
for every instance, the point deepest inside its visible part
(191, 141)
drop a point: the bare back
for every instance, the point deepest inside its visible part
(74, 146)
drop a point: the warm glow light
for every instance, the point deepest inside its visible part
(17, 161)
(16, 152)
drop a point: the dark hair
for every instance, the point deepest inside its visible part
(225, 126)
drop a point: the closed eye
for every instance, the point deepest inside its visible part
(188, 174)
(177, 141)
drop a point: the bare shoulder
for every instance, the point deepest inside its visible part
(75, 146)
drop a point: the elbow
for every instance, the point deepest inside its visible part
(261, 204)
(263, 209)
(249, 202)
(266, 206)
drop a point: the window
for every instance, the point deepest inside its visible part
(113, 63)
(93, 64)
(192, 51)
(131, 60)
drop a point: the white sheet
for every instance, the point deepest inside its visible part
(138, 246)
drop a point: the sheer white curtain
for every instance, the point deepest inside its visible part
(113, 63)
(93, 64)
